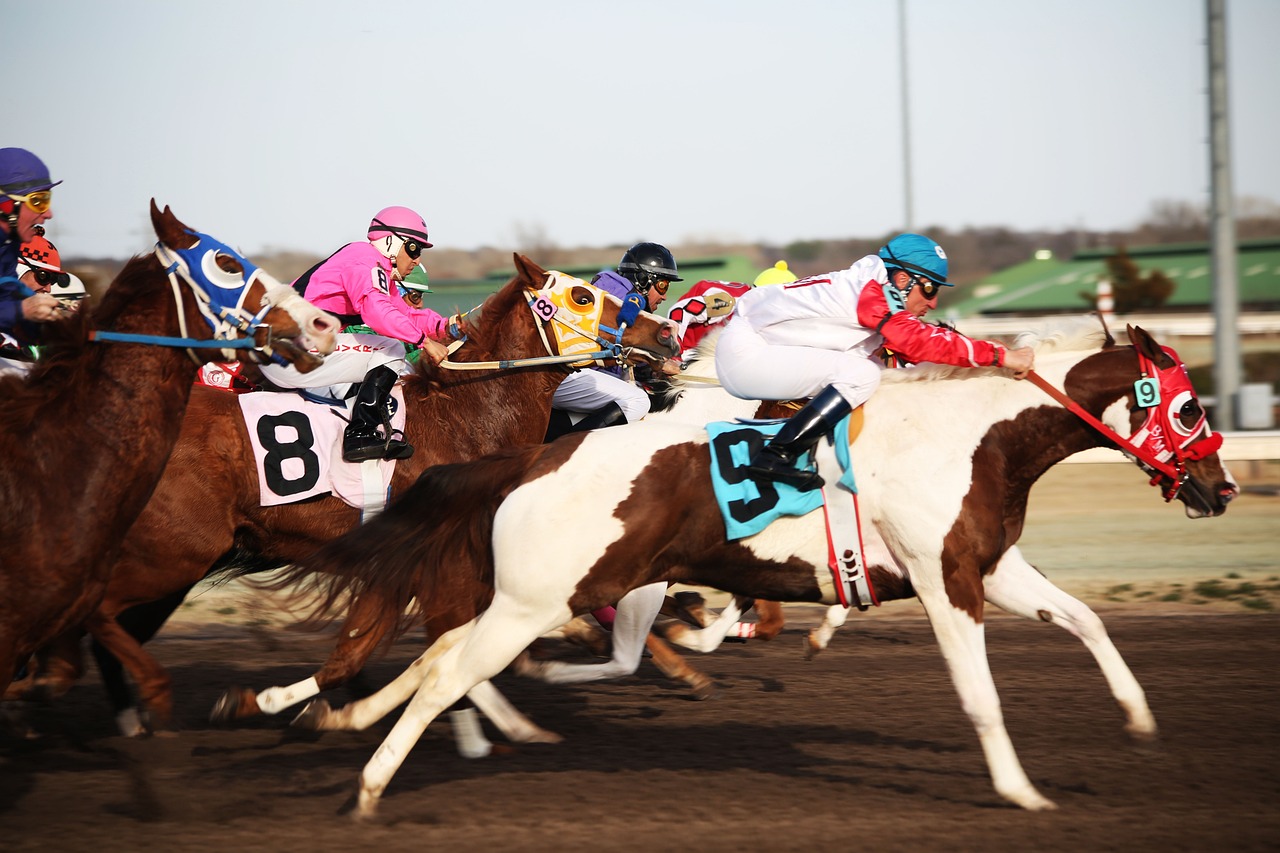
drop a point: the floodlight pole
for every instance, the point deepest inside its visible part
(906, 118)
(1222, 225)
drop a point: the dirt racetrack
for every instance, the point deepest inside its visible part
(864, 748)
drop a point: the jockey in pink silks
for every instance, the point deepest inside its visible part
(359, 284)
(817, 337)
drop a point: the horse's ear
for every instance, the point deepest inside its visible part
(169, 229)
(1110, 341)
(527, 269)
(1145, 344)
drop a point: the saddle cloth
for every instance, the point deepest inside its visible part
(748, 505)
(297, 448)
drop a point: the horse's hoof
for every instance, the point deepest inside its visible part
(235, 703)
(811, 648)
(312, 717)
(703, 689)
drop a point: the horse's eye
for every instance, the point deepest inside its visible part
(227, 263)
(581, 298)
(1190, 412)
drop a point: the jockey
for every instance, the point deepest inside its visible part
(607, 399)
(25, 203)
(358, 283)
(817, 337)
(710, 303)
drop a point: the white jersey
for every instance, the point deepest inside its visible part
(819, 312)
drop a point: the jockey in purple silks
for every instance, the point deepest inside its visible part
(599, 396)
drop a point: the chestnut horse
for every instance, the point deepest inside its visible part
(86, 434)
(207, 506)
(944, 465)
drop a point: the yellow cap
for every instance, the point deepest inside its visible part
(776, 274)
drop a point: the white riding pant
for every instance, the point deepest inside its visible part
(754, 369)
(588, 390)
(353, 356)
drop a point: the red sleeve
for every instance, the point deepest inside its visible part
(916, 340)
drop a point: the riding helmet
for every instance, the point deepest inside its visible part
(645, 263)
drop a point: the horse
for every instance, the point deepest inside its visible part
(86, 433)
(944, 465)
(206, 512)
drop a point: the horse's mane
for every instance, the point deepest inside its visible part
(429, 378)
(666, 391)
(62, 365)
(1055, 336)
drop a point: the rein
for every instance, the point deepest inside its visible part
(226, 322)
(547, 312)
(1139, 446)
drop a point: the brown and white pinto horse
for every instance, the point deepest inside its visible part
(86, 434)
(944, 465)
(207, 503)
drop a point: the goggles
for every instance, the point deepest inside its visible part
(49, 278)
(412, 248)
(37, 201)
(928, 287)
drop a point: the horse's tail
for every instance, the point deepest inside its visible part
(433, 544)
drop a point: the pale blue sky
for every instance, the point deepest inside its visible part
(282, 124)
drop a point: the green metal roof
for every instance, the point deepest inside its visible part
(450, 296)
(1045, 286)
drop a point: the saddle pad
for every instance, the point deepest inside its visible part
(297, 448)
(749, 505)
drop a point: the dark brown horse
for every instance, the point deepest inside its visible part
(86, 434)
(207, 508)
(944, 463)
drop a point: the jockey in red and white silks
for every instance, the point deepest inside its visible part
(817, 337)
(793, 340)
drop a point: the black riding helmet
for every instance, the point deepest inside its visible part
(646, 263)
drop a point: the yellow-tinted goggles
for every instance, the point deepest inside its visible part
(38, 201)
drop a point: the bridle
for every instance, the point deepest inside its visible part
(1162, 446)
(574, 331)
(219, 296)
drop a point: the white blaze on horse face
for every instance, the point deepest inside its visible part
(319, 328)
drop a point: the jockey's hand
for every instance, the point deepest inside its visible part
(1020, 361)
(434, 350)
(670, 367)
(40, 308)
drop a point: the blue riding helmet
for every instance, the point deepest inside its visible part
(917, 254)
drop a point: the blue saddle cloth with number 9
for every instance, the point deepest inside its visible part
(750, 505)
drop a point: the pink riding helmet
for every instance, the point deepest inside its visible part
(399, 222)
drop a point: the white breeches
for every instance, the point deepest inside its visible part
(751, 368)
(588, 390)
(353, 356)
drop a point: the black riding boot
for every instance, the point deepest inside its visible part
(606, 416)
(777, 459)
(372, 410)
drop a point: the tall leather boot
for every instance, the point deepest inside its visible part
(777, 459)
(362, 439)
(607, 415)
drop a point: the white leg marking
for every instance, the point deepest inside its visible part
(273, 700)
(1019, 588)
(963, 646)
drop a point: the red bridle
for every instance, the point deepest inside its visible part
(1162, 445)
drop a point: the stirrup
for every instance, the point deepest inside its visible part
(777, 468)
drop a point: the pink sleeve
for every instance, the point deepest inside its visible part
(387, 314)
